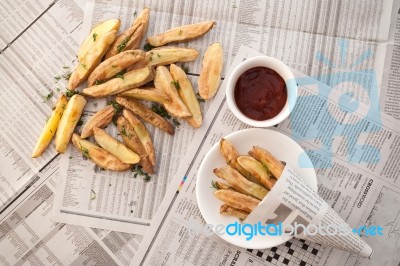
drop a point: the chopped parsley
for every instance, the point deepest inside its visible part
(114, 66)
(214, 185)
(134, 13)
(180, 32)
(123, 44)
(58, 89)
(70, 93)
(57, 78)
(158, 109)
(158, 55)
(84, 66)
(94, 36)
(176, 122)
(66, 76)
(117, 110)
(84, 151)
(120, 74)
(48, 96)
(147, 47)
(92, 195)
(98, 82)
(185, 69)
(138, 170)
(66, 67)
(123, 132)
(176, 84)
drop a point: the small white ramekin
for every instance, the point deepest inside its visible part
(272, 63)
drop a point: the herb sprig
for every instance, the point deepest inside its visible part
(138, 170)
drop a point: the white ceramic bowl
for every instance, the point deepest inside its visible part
(282, 70)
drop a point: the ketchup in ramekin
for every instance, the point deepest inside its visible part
(260, 93)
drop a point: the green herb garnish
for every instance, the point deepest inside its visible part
(123, 44)
(176, 122)
(214, 185)
(120, 74)
(98, 82)
(66, 67)
(138, 170)
(117, 107)
(84, 66)
(147, 47)
(48, 96)
(66, 76)
(180, 32)
(176, 84)
(57, 78)
(84, 151)
(94, 36)
(123, 132)
(70, 93)
(158, 109)
(185, 69)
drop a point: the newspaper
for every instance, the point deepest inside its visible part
(303, 34)
(237, 23)
(355, 191)
(39, 54)
(29, 236)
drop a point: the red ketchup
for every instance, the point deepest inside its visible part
(260, 93)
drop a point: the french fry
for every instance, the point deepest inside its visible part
(274, 166)
(131, 38)
(230, 155)
(133, 142)
(240, 183)
(225, 209)
(100, 119)
(95, 34)
(114, 65)
(115, 147)
(221, 185)
(129, 80)
(68, 122)
(237, 200)
(50, 128)
(187, 95)
(146, 93)
(146, 114)
(98, 155)
(210, 74)
(91, 59)
(167, 55)
(142, 133)
(181, 34)
(164, 82)
(257, 169)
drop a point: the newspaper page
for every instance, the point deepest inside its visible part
(33, 70)
(29, 236)
(362, 194)
(390, 81)
(254, 24)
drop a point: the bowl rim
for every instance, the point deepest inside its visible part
(282, 69)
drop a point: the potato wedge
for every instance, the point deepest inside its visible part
(115, 147)
(98, 155)
(132, 141)
(68, 122)
(210, 74)
(230, 155)
(50, 128)
(221, 185)
(167, 55)
(240, 183)
(181, 34)
(114, 65)
(237, 200)
(275, 167)
(142, 133)
(146, 114)
(131, 38)
(95, 34)
(164, 82)
(225, 209)
(90, 60)
(100, 119)
(187, 95)
(257, 170)
(129, 80)
(146, 93)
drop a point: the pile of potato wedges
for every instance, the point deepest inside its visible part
(112, 65)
